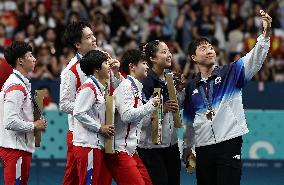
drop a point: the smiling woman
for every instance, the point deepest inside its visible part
(162, 161)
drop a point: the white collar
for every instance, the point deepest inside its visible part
(26, 80)
(101, 86)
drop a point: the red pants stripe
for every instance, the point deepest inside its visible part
(127, 170)
(81, 156)
(9, 159)
(71, 173)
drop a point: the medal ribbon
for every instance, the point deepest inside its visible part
(207, 101)
(96, 83)
(136, 89)
(32, 98)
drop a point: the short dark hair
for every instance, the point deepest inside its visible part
(133, 56)
(17, 50)
(73, 33)
(92, 60)
(195, 43)
(149, 50)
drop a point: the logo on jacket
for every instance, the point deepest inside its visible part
(237, 157)
(217, 80)
(195, 92)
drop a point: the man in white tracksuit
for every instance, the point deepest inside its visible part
(17, 124)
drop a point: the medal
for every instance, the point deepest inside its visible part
(209, 114)
(208, 100)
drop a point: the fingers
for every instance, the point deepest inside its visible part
(186, 153)
(43, 124)
(172, 105)
(157, 99)
(110, 131)
(114, 63)
(40, 124)
(173, 108)
(265, 16)
(185, 157)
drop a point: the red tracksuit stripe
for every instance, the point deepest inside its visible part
(75, 72)
(16, 87)
(129, 124)
(88, 85)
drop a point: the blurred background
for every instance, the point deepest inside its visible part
(119, 25)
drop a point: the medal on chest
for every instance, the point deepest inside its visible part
(208, 99)
(210, 114)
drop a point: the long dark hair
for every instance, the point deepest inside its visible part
(149, 50)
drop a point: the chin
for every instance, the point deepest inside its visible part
(210, 63)
(168, 65)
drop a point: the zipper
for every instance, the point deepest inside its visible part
(213, 133)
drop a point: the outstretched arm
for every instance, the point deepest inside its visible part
(255, 58)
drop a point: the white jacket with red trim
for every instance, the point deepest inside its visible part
(131, 112)
(71, 79)
(16, 114)
(89, 114)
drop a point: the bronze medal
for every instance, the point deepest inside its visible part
(209, 114)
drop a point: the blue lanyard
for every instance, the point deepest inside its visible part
(96, 83)
(136, 89)
(208, 101)
(78, 57)
(32, 98)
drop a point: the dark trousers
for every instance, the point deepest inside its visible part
(163, 164)
(219, 164)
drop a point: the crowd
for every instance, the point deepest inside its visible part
(232, 26)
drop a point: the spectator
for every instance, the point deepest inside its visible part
(204, 26)
(48, 103)
(42, 18)
(184, 23)
(4, 41)
(234, 18)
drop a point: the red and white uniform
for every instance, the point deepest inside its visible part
(128, 127)
(89, 111)
(71, 79)
(89, 114)
(131, 111)
(16, 127)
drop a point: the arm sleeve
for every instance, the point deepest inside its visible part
(116, 81)
(125, 106)
(67, 92)
(12, 107)
(246, 67)
(83, 104)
